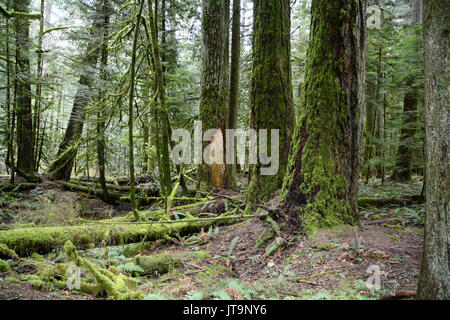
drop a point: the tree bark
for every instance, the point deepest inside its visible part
(23, 101)
(321, 185)
(213, 104)
(272, 97)
(434, 280)
(234, 83)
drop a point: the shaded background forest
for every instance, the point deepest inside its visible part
(43, 72)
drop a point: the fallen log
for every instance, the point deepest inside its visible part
(114, 196)
(11, 187)
(164, 263)
(367, 202)
(111, 232)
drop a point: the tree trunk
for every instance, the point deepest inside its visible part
(213, 104)
(321, 184)
(272, 98)
(61, 168)
(234, 83)
(160, 115)
(38, 97)
(434, 280)
(23, 100)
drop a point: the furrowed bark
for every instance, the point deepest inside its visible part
(272, 96)
(434, 279)
(321, 185)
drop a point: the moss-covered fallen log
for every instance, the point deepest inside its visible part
(115, 188)
(114, 196)
(367, 202)
(9, 187)
(159, 264)
(111, 232)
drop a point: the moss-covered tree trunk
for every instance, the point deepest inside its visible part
(272, 97)
(61, 168)
(321, 184)
(213, 104)
(23, 94)
(160, 114)
(434, 281)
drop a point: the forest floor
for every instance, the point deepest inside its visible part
(334, 264)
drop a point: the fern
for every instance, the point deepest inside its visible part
(130, 268)
(232, 246)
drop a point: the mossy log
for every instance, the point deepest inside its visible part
(115, 188)
(115, 196)
(367, 202)
(163, 263)
(110, 232)
(8, 187)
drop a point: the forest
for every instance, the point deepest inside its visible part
(224, 150)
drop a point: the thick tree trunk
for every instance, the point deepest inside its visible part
(272, 98)
(434, 281)
(213, 104)
(61, 168)
(321, 184)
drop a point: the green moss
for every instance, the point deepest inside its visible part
(115, 284)
(4, 266)
(326, 246)
(37, 257)
(5, 252)
(12, 279)
(394, 226)
(264, 238)
(316, 181)
(44, 240)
